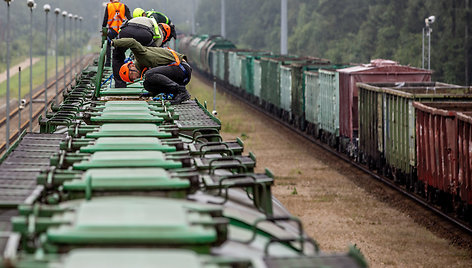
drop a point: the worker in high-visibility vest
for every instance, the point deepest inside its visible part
(162, 18)
(163, 69)
(158, 16)
(144, 30)
(115, 14)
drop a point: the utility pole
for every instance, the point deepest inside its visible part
(46, 8)
(193, 16)
(223, 18)
(31, 4)
(76, 43)
(64, 16)
(283, 28)
(57, 11)
(71, 46)
(427, 30)
(82, 47)
(7, 135)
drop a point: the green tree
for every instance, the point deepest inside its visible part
(353, 30)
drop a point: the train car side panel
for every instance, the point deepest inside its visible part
(371, 127)
(329, 104)
(437, 146)
(312, 90)
(257, 81)
(377, 71)
(286, 89)
(465, 156)
(221, 64)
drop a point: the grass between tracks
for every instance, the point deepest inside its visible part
(338, 205)
(93, 46)
(229, 114)
(38, 77)
(13, 62)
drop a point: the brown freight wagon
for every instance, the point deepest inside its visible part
(387, 123)
(464, 122)
(440, 151)
(377, 71)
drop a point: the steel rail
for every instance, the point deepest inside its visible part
(36, 115)
(462, 225)
(36, 95)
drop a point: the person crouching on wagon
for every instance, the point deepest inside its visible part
(163, 69)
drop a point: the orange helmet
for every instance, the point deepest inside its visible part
(124, 72)
(167, 31)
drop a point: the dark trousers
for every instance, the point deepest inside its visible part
(167, 79)
(143, 36)
(111, 34)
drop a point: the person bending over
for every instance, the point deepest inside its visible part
(163, 69)
(144, 30)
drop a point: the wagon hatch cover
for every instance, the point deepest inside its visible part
(135, 220)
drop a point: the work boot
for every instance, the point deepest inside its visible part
(120, 84)
(181, 95)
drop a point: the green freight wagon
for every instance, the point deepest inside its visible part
(285, 91)
(387, 127)
(198, 53)
(206, 55)
(292, 90)
(248, 69)
(183, 45)
(312, 90)
(262, 77)
(221, 64)
(214, 63)
(235, 66)
(126, 221)
(238, 66)
(257, 80)
(312, 104)
(177, 257)
(328, 105)
(271, 79)
(174, 44)
(194, 50)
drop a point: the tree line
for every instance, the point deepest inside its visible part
(92, 12)
(353, 31)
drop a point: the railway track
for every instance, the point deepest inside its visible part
(17, 126)
(418, 199)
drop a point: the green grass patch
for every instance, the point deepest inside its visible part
(285, 178)
(323, 198)
(14, 61)
(233, 126)
(38, 77)
(231, 115)
(295, 172)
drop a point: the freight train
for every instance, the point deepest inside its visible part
(391, 118)
(114, 180)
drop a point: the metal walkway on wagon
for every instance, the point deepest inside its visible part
(19, 170)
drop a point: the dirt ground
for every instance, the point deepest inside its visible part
(339, 205)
